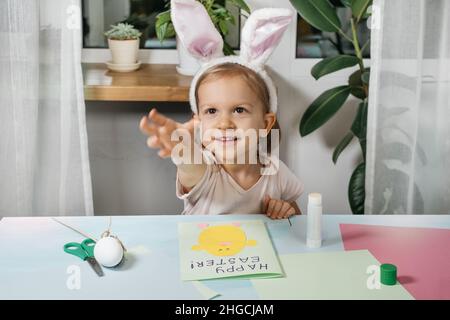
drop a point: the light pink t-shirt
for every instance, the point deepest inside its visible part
(218, 193)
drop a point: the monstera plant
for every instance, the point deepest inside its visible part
(322, 15)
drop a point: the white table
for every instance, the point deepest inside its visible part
(33, 264)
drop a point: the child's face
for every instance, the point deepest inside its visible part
(226, 105)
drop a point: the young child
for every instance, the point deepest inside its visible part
(229, 96)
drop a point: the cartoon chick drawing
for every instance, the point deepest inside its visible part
(222, 240)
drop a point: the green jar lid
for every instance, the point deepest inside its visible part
(388, 274)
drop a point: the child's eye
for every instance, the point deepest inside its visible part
(239, 109)
(210, 111)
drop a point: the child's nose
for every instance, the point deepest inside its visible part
(225, 122)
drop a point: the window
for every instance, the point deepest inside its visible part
(313, 43)
(99, 15)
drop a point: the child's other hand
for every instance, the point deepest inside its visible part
(159, 129)
(277, 209)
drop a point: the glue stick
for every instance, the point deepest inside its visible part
(314, 221)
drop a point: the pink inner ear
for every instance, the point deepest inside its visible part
(203, 46)
(267, 35)
(236, 224)
(195, 29)
(202, 225)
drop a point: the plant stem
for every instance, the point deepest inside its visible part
(362, 141)
(365, 45)
(356, 46)
(345, 36)
(358, 52)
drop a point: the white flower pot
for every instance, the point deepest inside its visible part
(124, 51)
(188, 65)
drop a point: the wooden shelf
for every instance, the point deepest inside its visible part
(151, 82)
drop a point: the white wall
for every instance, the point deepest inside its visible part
(129, 178)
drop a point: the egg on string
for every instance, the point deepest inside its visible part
(109, 250)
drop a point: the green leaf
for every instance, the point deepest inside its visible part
(347, 3)
(161, 31)
(342, 145)
(241, 4)
(358, 92)
(227, 49)
(163, 17)
(359, 126)
(231, 19)
(217, 5)
(332, 64)
(356, 189)
(359, 8)
(163, 26)
(123, 31)
(362, 143)
(365, 77)
(170, 32)
(223, 27)
(318, 13)
(323, 108)
(354, 80)
(220, 11)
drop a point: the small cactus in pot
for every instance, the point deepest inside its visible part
(123, 40)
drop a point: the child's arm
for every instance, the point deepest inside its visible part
(190, 174)
(159, 128)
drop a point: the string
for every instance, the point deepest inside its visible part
(109, 225)
(106, 233)
(76, 230)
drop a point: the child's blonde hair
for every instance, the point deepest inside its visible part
(254, 81)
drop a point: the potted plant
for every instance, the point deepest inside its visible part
(123, 40)
(220, 16)
(322, 15)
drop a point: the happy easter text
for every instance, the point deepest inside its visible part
(230, 265)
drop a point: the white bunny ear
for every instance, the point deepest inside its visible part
(262, 32)
(196, 30)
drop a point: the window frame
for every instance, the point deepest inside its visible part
(301, 67)
(148, 56)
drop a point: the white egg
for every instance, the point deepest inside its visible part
(108, 252)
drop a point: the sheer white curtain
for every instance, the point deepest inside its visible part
(44, 163)
(408, 142)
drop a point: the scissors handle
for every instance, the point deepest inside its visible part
(82, 250)
(76, 249)
(88, 246)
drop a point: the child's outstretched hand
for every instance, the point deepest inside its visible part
(159, 129)
(278, 209)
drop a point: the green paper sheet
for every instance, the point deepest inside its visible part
(240, 249)
(328, 276)
(206, 292)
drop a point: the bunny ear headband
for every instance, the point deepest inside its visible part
(260, 36)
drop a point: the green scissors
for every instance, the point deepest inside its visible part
(85, 251)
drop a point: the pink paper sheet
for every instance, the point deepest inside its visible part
(422, 255)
